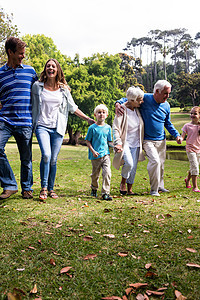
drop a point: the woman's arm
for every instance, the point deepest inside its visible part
(81, 115)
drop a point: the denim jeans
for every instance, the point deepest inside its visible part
(129, 168)
(50, 143)
(23, 137)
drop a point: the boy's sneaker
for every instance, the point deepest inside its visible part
(106, 197)
(94, 193)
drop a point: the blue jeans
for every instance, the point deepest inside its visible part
(50, 143)
(129, 168)
(23, 137)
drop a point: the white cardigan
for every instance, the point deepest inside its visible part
(119, 128)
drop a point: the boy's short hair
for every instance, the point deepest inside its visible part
(12, 43)
(100, 107)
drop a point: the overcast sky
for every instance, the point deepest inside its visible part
(91, 26)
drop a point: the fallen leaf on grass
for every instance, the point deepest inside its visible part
(52, 262)
(179, 296)
(34, 290)
(47, 232)
(148, 266)
(138, 285)
(193, 265)
(140, 297)
(65, 270)
(123, 254)
(32, 248)
(11, 296)
(151, 275)
(110, 236)
(190, 237)
(149, 293)
(90, 256)
(112, 298)
(88, 238)
(128, 291)
(191, 250)
(58, 225)
(106, 210)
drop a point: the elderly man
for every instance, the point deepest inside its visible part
(155, 111)
(16, 117)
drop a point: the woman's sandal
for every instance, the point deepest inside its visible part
(43, 194)
(52, 194)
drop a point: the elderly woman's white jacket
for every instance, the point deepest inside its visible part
(119, 128)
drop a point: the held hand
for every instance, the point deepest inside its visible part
(95, 153)
(118, 148)
(119, 110)
(179, 139)
(91, 121)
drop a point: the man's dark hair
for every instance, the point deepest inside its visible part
(12, 43)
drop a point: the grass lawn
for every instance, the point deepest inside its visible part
(106, 245)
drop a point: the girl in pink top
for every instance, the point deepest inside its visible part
(192, 130)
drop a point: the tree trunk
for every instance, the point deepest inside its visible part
(73, 137)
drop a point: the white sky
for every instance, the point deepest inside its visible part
(91, 26)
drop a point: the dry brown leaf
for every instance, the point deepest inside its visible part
(34, 290)
(65, 270)
(112, 298)
(123, 254)
(110, 236)
(179, 296)
(193, 265)
(151, 274)
(124, 297)
(58, 225)
(140, 297)
(52, 262)
(147, 266)
(154, 293)
(88, 238)
(47, 232)
(90, 256)
(190, 237)
(32, 248)
(128, 291)
(138, 285)
(191, 250)
(11, 296)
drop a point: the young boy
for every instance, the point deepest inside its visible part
(98, 139)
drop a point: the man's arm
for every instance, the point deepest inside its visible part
(119, 110)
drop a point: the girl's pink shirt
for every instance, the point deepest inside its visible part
(193, 137)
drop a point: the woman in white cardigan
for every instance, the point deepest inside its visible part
(128, 132)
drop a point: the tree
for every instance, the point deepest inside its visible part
(6, 29)
(40, 48)
(97, 80)
(188, 88)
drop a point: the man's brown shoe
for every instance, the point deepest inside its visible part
(27, 195)
(7, 193)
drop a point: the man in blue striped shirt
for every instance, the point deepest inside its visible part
(16, 80)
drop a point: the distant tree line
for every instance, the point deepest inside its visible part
(169, 54)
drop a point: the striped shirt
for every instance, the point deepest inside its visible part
(15, 94)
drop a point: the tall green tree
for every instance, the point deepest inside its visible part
(97, 80)
(40, 48)
(7, 28)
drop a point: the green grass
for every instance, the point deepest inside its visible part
(151, 230)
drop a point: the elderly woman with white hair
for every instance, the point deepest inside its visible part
(128, 133)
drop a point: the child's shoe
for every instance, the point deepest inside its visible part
(106, 197)
(94, 193)
(196, 190)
